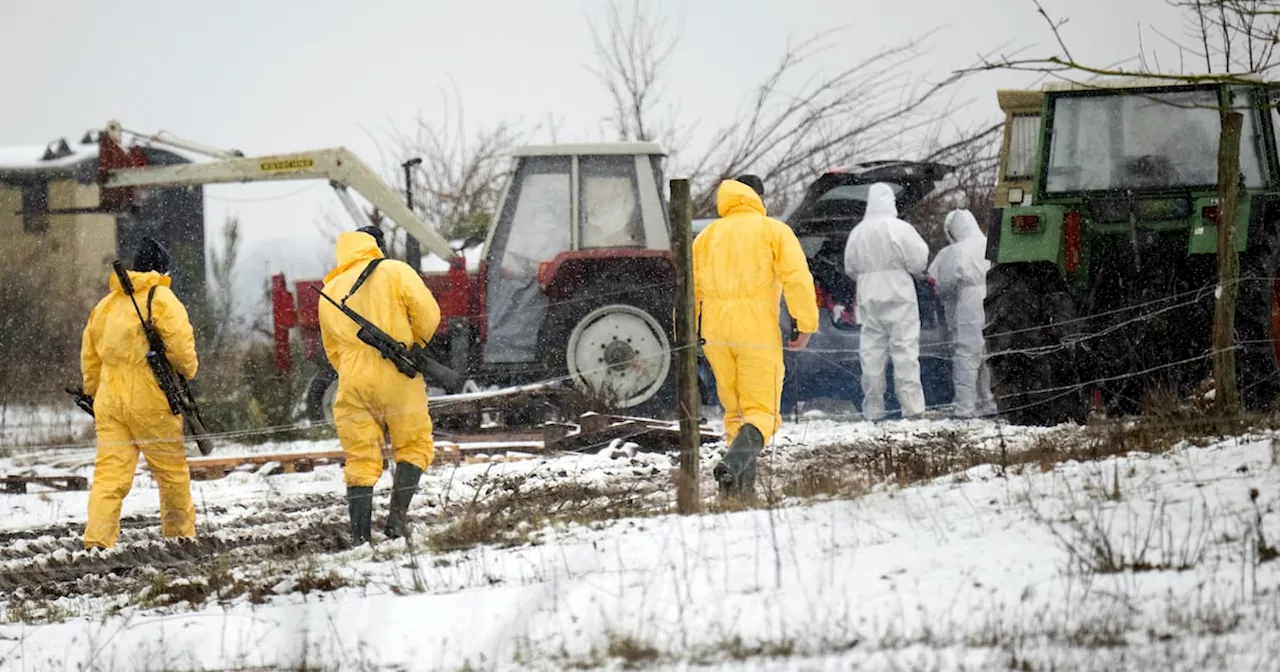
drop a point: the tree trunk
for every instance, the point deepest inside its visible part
(686, 347)
(1224, 317)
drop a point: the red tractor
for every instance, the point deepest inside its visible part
(574, 284)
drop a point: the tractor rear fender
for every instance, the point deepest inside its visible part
(1204, 230)
(1032, 233)
(628, 269)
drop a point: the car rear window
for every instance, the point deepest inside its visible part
(853, 192)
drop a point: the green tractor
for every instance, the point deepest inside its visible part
(1103, 244)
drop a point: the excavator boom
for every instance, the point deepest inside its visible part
(120, 171)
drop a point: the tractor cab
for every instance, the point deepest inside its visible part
(568, 213)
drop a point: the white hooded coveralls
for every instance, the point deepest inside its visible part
(882, 255)
(960, 271)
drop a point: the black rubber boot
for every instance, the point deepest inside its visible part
(736, 472)
(360, 506)
(404, 487)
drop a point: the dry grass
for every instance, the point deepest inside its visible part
(218, 582)
(849, 469)
(631, 651)
(515, 507)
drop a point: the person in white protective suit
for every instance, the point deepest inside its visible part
(883, 255)
(960, 271)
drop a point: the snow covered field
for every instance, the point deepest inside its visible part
(863, 557)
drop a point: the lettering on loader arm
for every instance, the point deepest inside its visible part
(277, 165)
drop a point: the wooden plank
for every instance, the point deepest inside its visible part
(598, 430)
(474, 403)
(18, 484)
(208, 468)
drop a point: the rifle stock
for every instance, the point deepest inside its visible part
(172, 384)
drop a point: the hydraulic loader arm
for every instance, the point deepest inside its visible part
(337, 165)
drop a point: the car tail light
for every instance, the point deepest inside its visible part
(1210, 214)
(1071, 241)
(820, 296)
(1026, 224)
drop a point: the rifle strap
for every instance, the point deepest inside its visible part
(701, 340)
(151, 294)
(364, 275)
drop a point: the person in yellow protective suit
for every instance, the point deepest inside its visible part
(131, 414)
(743, 264)
(373, 396)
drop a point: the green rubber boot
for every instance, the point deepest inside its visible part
(360, 507)
(404, 487)
(736, 472)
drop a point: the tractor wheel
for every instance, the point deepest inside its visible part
(1033, 375)
(1258, 323)
(614, 349)
(320, 394)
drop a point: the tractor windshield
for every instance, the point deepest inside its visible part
(1144, 141)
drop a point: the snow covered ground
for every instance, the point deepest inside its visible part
(1140, 561)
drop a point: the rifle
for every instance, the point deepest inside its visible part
(84, 401)
(409, 361)
(174, 386)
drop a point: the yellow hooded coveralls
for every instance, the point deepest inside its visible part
(743, 263)
(131, 413)
(372, 394)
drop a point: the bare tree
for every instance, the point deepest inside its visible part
(457, 185)
(222, 322)
(975, 155)
(1217, 26)
(633, 52)
(794, 125)
(1229, 36)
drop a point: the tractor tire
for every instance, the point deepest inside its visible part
(1034, 370)
(320, 393)
(1258, 323)
(598, 333)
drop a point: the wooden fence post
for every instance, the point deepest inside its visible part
(686, 347)
(1224, 314)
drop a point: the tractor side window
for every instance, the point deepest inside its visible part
(541, 223)
(1252, 154)
(1275, 116)
(610, 202)
(1022, 146)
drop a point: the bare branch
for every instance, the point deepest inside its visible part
(1219, 26)
(796, 123)
(632, 55)
(1056, 27)
(457, 186)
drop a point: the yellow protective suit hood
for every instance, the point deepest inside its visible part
(373, 395)
(736, 198)
(353, 248)
(131, 414)
(744, 263)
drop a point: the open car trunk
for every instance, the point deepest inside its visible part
(835, 203)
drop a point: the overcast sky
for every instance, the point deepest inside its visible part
(291, 75)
